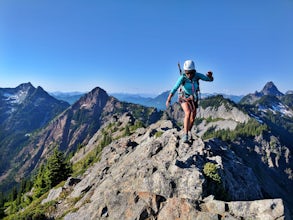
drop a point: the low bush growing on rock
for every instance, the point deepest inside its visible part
(211, 171)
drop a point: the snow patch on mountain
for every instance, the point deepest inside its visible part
(16, 98)
(277, 108)
(257, 118)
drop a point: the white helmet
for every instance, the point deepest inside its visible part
(188, 65)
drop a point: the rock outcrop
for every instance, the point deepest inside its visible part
(76, 126)
(222, 114)
(152, 175)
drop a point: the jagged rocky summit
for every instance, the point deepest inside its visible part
(26, 108)
(152, 175)
(75, 126)
(23, 110)
(268, 90)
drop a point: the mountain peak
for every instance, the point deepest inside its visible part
(98, 91)
(271, 89)
(96, 96)
(25, 86)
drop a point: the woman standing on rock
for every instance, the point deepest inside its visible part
(189, 95)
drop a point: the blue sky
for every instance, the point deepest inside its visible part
(134, 46)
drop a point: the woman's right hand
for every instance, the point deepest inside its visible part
(167, 103)
(168, 100)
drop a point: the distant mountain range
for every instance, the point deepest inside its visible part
(69, 97)
(137, 151)
(23, 110)
(26, 107)
(274, 108)
(269, 90)
(33, 123)
(157, 101)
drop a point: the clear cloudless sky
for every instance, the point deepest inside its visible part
(134, 46)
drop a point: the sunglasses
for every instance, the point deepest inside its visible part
(190, 72)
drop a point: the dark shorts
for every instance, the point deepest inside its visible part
(193, 101)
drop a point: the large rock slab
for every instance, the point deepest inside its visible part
(152, 175)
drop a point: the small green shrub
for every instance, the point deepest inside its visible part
(211, 171)
(158, 134)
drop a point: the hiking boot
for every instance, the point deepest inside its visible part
(185, 138)
(191, 137)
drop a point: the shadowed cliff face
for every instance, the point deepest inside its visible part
(76, 126)
(23, 110)
(151, 174)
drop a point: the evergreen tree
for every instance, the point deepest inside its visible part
(13, 194)
(40, 186)
(127, 131)
(56, 169)
(106, 140)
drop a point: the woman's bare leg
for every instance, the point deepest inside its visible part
(187, 114)
(191, 119)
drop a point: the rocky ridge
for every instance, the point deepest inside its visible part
(222, 114)
(75, 127)
(152, 175)
(23, 110)
(250, 172)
